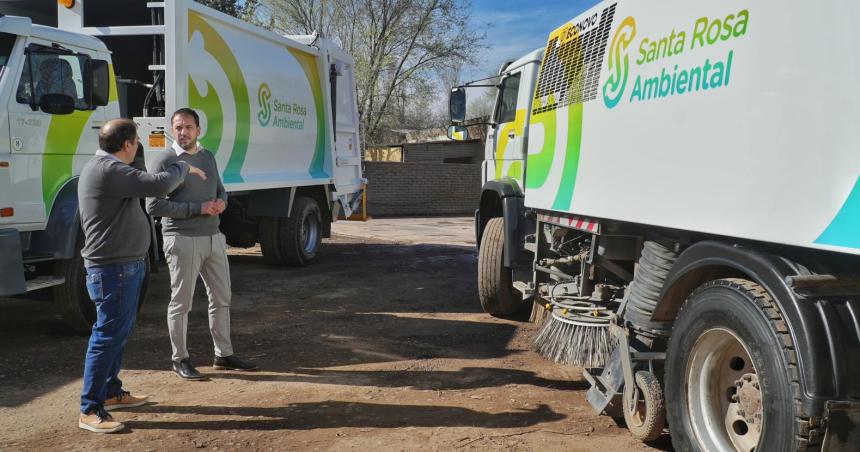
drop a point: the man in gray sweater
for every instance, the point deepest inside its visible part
(116, 240)
(194, 246)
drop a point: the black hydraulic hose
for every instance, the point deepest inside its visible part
(151, 91)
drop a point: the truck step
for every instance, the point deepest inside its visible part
(32, 258)
(524, 287)
(43, 282)
(530, 243)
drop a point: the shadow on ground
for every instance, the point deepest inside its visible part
(434, 380)
(334, 414)
(358, 303)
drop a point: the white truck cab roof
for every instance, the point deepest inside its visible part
(534, 56)
(23, 26)
(67, 37)
(16, 25)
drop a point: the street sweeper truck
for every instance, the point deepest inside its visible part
(278, 112)
(674, 187)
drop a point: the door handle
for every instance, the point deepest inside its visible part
(511, 135)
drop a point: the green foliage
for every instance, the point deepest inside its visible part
(241, 9)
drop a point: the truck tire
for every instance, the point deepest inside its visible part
(294, 240)
(495, 285)
(78, 310)
(729, 356)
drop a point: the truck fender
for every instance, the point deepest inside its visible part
(502, 198)
(64, 223)
(824, 330)
(278, 202)
(274, 202)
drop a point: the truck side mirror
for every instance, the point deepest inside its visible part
(458, 133)
(57, 104)
(457, 105)
(98, 87)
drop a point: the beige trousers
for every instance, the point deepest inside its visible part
(188, 257)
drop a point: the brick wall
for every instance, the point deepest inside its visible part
(438, 151)
(416, 189)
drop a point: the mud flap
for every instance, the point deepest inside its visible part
(11, 263)
(843, 427)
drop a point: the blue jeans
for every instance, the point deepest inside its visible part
(115, 289)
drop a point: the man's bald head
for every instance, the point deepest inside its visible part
(114, 134)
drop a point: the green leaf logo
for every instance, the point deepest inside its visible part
(263, 97)
(618, 62)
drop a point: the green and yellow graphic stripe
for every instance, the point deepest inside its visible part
(215, 45)
(61, 144)
(308, 63)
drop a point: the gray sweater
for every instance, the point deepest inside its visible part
(180, 209)
(109, 191)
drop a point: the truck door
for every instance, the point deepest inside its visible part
(49, 149)
(504, 155)
(347, 168)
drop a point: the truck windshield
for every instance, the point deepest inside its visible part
(6, 42)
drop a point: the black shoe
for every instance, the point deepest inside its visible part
(186, 371)
(232, 363)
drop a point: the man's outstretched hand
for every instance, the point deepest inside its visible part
(199, 172)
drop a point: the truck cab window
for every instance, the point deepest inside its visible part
(6, 43)
(52, 73)
(507, 109)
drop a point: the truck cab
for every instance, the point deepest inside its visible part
(505, 150)
(503, 169)
(55, 93)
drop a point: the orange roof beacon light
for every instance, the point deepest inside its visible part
(67, 3)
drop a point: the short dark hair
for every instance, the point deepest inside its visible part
(115, 133)
(186, 111)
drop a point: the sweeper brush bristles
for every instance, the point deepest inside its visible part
(574, 341)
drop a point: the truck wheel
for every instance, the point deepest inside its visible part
(79, 312)
(495, 287)
(644, 412)
(294, 240)
(731, 355)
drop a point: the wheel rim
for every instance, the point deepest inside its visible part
(636, 407)
(310, 234)
(723, 393)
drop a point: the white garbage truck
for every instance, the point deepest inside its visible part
(674, 187)
(278, 112)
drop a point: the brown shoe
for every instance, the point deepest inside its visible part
(125, 400)
(99, 422)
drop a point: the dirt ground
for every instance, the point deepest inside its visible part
(380, 344)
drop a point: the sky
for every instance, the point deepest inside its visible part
(515, 27)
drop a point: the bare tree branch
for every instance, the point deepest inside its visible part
(402, 49)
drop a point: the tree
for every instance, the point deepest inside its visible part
(483, 104)
(401, 48)
(241, 9)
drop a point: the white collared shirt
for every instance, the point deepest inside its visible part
(178, 149)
